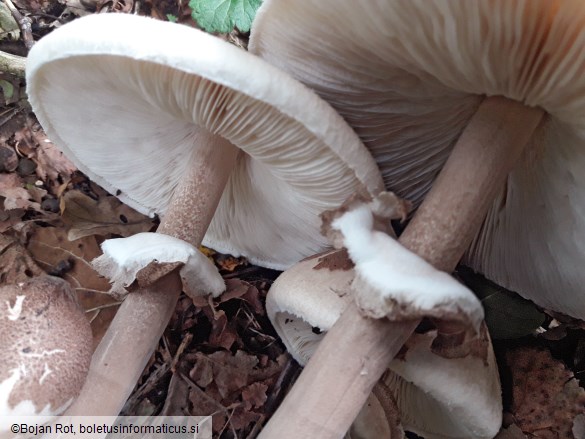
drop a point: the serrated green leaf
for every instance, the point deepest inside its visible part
(172, 18)
(223, 15)
(507, 315)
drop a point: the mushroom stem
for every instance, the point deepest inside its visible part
(122, 354)
(357, 350)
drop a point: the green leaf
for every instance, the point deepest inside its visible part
(223, 15)
(507, 315)
(7, 90)
(172, 18)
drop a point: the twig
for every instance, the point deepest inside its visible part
(24, 23)
(12, 64)
(184, 343)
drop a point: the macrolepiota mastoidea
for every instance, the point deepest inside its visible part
(445, 381)
(179, 123)
(421, 82)
(46, 347)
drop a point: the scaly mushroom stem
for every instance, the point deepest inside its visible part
(131, 338)
(356, 351)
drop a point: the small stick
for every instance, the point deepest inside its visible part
(24, 23)
(354, 354)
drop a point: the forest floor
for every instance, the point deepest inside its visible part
(220, 356)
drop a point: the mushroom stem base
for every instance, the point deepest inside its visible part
(140, 321)
(356, 351)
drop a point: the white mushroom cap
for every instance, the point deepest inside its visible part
(124, 97)
(299, 313)
(408, 74)
(123, 259)
(437, 397)
(46, 347)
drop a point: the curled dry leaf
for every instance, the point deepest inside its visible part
(546, 396)
(10, 218)
(254, 396)
(16, 264)
(238, 382)
(49, 246)
(16, 196)
(50, 161)
(86, 216)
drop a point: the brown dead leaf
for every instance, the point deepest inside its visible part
(229, 372)
(512, 432)
(49, 246)
(232, 370)
(204, 405)
(16, 196)
(10, 218)
(223, 335)
(177, 402)
(16, 264)
(229, 263)
(254, 396)
(242, 418)
(202, 372)
(237, 288)
(51, 162)
(86, 217)
(546, 395)
(10, 180)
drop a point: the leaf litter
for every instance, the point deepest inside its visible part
(221, 356)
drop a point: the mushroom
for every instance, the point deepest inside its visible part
(180, 123)
(409, 90)
(46, 347)
(438, 76)
(437, 396)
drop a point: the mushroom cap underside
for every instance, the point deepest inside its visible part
(125, 105)
(408, 75)
(437, 397)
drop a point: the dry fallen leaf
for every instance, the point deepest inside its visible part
(223, 334)
(16, 264)
(254, 396)
(51, 162)
(10, 218)
(86, 216)
(546, 395)
(12, 188)
(512, 432)
(50, 247)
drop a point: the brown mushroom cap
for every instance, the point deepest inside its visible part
(46, 347)
(408, 75)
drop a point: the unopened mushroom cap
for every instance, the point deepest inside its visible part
(437, 397)
(46, 347)
(408, 75)
(124, 96)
